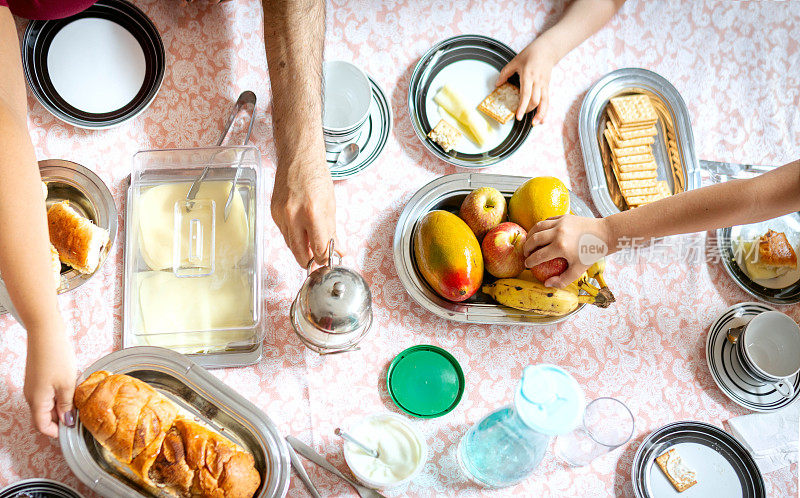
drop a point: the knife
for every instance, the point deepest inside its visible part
(301, 471)
(732, 169)
(308, 452)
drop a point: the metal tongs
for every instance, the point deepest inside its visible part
(246, 97)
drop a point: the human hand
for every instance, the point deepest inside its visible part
(533, 65)
(568, 237)
(304, 208)
(50, 381)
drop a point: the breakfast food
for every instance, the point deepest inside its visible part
(476, 125)
(144, 431)
(770, 256)
(503, 253)
(448, 255)
(629, 133)
(445, 134)
(79, 242)
(502, 103)
(538, 199)
(532, 295)
(681, 476)
(483, 209)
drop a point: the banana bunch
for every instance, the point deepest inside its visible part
(528, 294)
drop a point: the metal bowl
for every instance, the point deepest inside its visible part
(448, 193)
(38, 488)
(86, 194)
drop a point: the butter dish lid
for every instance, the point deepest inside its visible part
(425, 381)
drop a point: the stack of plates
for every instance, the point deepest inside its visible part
(97, 68)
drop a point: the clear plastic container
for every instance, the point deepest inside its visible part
(193, 278)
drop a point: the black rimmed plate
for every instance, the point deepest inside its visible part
(470, 64)
(780, 290)
(371, 140)
(97, 68)
(38, 488)
(722, 465)
(727, 370)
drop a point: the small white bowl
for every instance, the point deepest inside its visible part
(347, 96)
(423, 445)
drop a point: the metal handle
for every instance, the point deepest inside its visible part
(331, 253)
(308, 452)
(246, 97)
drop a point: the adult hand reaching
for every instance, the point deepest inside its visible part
(304, 208)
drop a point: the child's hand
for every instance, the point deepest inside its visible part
(563, 236)
(533, 65)
(50, 382)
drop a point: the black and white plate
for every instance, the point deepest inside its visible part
(727, 371)
(722, 465)
(372, 138)
(38, 488)
(731, 244)
(470, 64)
(97, 68)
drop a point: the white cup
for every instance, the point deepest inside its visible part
(769, 350)
(347, 96)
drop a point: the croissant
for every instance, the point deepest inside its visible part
(198, 462)
(142, 429)
(125, 415)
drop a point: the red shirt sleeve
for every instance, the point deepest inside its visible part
(46, 9)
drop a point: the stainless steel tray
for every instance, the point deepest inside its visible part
(447, 193)
(194, 389)
(90, 197)
(674, 133)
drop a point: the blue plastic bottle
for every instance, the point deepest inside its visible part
(507, 445)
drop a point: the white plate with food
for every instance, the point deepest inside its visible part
(694, 459)
(454, 84)
(762, 258)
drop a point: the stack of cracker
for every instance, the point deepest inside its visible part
(630, 133)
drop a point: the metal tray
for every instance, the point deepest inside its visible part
(194, 389)
(90, 197)
(447, 193)
(674, 142)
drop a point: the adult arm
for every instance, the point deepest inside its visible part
(735, 202)
(534, 64)
(303, 204)
(25, 262)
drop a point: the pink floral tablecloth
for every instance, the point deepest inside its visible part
(736, 66)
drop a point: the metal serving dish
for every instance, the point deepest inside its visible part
(447, 193)
(194, 389)
(89, 196)
(673, 147)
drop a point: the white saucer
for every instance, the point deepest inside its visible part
(372, 139)
(727, 371)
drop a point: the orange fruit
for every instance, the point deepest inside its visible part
(538, 199)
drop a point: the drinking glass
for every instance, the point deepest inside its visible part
(607, 424)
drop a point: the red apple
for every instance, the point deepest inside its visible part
(502, 249)
(482, 210)
(551, 268)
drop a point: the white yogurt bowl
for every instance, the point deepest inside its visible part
(402, 449)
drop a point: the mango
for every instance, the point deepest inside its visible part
(448, 255)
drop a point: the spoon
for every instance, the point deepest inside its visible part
(347, 155)
(347, 437)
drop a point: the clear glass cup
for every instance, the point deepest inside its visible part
(607, 424)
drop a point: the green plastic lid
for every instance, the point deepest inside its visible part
(425, 381)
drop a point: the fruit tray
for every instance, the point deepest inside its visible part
(447, 193)
(673, 147)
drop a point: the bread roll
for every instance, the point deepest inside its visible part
(79, 242)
